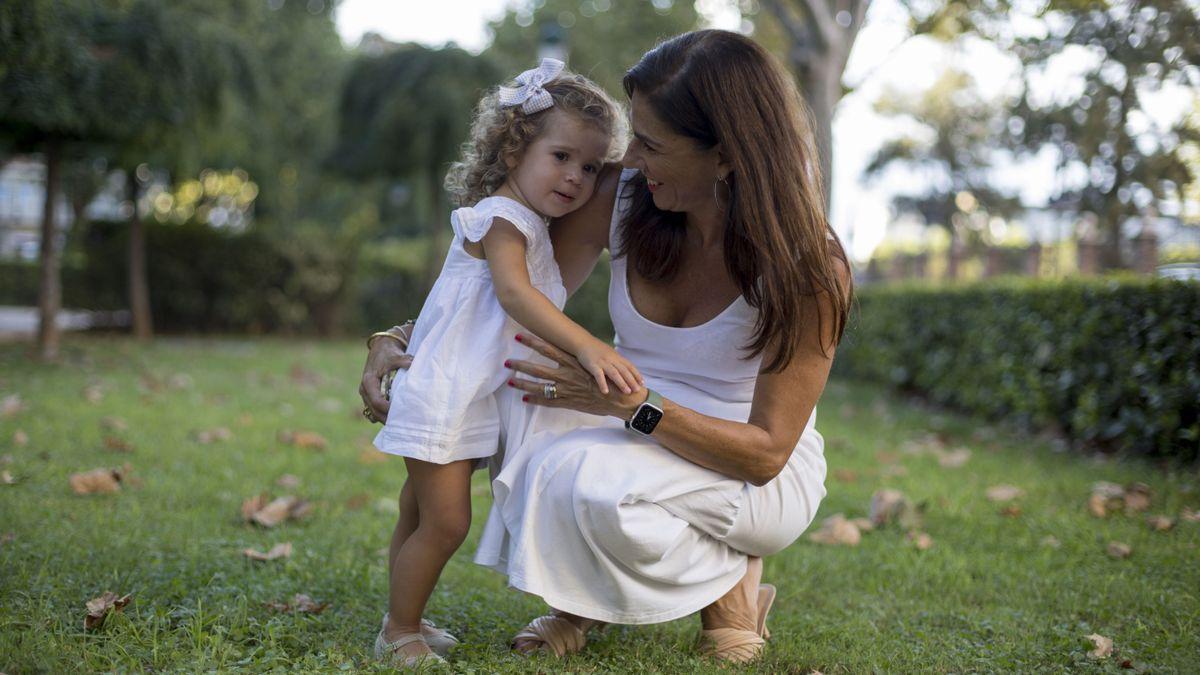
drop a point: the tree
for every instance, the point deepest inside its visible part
(403, 115)
(173, 70)
(600, 40)
(953, 150)
(1127, 167)
(46, 104)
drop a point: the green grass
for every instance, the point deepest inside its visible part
(988, 596)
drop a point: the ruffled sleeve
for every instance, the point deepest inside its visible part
(473, 222)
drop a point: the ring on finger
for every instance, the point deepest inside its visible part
(550, 390)
(369, 414)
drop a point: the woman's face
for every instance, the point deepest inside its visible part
(679, 174)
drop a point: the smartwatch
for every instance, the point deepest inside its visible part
(647, 415)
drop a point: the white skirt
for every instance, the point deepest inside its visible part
(611, 526)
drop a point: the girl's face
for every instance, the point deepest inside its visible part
(557, 172)
(679, 174)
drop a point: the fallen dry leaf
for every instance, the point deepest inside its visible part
(288, 481)
(371, 456)
(1160, 523)
(303, 439)
(20, 438)
(954, 458)
(885, 457)
(179, 381)
(837, 530)
(1097, 505)
(96, 481)
(94, 393)
(1011, 511)
(277, 551)
(1004, 493)
(259, 510)
(1103, 646)
(863, 524)
(1051, 541)
(845, 475)
(299, 603)
(214, 435)
(357, 501)
(99, 608)
(6, 478)
(113, 424)
(889, 505)
(117, 444)
(1190, 516)
(11, 405)
(1118, 549)
(1137, 498)
(921, 540)
(923, 445)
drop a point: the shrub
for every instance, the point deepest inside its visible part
(1112, 362)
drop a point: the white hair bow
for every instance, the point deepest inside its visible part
(531, 95)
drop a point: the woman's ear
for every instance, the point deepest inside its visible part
(724, 166)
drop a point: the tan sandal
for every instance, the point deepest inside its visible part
(390, 651)
(557, 635)
(440, 640)
(740, 646)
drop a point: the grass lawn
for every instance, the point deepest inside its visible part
(991, 594)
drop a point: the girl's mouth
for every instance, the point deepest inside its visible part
(566, 199)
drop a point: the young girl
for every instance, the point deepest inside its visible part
(534, 154)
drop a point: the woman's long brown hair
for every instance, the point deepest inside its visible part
(720, 87)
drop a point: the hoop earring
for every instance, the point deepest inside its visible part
(728, 189)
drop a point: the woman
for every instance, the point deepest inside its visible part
(729, 292)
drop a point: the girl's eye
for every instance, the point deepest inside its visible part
(590, 168)
(560, 156)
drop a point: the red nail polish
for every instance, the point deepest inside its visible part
(511, 383)
(525, 399)
(517, 338)
(506, 365)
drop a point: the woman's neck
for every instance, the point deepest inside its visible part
(706, 228)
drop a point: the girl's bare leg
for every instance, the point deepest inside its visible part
(406, 524)
(442, 494)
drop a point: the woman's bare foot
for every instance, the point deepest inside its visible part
(739, 607)
(528, 645)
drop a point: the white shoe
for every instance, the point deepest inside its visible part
(441, 641)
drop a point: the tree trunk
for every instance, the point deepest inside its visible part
(139, 289)
(820, 84)
(50, 282)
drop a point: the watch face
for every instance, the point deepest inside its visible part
(646, 419)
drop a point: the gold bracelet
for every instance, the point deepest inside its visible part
(384, 333)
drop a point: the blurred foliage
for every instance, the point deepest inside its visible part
(1112, 362)
(601, 38)
(953, 150)
(1129, 166)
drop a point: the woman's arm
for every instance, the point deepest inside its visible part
(754, 451)
(580, 236)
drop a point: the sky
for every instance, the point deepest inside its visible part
(884, 55)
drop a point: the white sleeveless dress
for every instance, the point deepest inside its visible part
(448, 406)
(609, 525)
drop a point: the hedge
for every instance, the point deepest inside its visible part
(207, 280)
(1112, 362)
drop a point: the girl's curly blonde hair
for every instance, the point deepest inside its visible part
(501, 132)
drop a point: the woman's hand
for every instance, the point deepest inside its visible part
(575, 387)
(384, 356)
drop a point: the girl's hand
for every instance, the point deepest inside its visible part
(384, 357)
(576, 388)
(604, 363)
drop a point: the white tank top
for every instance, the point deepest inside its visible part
(700, 367)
